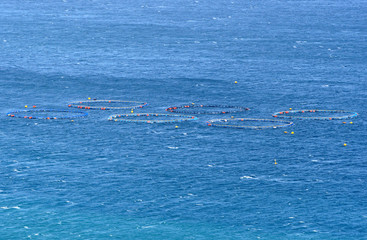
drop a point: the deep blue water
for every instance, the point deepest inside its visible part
(97, 179)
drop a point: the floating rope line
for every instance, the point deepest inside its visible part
(224, 123)
(177, 118)
(203, 109)
(106, 104)
(288, 114)
(29, 114)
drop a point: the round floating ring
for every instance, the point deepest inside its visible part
(222, 123)
(288, 114)
(30, 114)
(225, 109)
(176, 118)
(86, 104)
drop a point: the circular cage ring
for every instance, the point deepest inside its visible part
(50, 114)
(226, 123)
(203, 109)
(132, 118)
(106, 104)
(288, 114)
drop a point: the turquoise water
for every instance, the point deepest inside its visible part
(97, 179)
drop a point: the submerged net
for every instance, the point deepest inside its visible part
(316, 114)
(47, 114)
(151, 118)
(206, 109)
(107, 104)
(249, 123)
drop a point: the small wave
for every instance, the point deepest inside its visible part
(247, 177)
(173, 147)
(5, 207)
(144, 227)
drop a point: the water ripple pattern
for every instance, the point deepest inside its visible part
(96, 179)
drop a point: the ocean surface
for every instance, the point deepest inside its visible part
(96, 179)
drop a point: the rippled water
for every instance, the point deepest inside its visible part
(96, 179)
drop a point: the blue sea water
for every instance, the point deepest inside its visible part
(97, 179)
